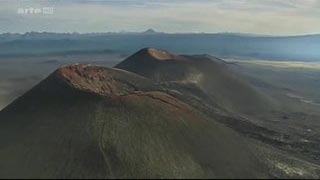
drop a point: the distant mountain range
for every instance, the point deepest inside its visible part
(223, 45)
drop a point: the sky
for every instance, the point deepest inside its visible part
(271, 17)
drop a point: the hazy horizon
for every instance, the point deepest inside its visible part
(270, 17)
(137, 32)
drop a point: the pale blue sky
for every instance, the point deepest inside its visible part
(274, 17)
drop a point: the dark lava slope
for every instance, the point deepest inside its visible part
(93, 122)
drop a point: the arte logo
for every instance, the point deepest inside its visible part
(43, 10)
